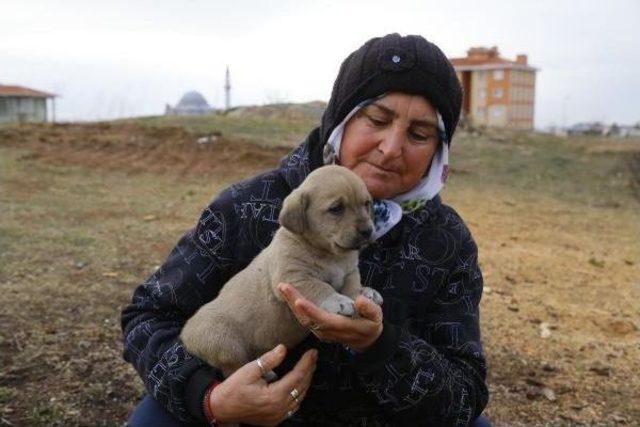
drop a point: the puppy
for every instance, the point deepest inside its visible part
(324, 223)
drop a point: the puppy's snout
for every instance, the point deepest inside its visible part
(365, 231)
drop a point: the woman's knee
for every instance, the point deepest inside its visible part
(150, 413)
(481, 421)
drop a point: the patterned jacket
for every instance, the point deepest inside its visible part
(427, 367)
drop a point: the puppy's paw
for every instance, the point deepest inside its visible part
(339, 304)
(372, 294)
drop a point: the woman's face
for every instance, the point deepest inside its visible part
(390, 143)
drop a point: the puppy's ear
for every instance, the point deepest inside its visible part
(293, 215)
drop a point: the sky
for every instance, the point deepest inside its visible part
(110, 59)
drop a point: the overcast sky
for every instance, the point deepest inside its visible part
(110, 59)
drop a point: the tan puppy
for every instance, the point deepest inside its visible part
(324, 222)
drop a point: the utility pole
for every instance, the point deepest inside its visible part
(227, 91)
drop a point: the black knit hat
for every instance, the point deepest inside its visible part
(408, 64)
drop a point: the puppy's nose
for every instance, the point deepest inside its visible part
(365, 232)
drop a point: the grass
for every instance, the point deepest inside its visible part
(537, 164)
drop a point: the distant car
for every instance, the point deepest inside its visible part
(594, 128)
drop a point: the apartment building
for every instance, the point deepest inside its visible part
(497, 92)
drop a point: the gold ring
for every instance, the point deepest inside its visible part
(261, 366)
(315, 327)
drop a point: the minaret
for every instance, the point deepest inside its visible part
(227, 91)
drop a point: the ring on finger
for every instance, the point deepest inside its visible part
(295, 394)
(291, 412)
(315, 327)
(261, 366)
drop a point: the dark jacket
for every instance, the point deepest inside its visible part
(427, 367)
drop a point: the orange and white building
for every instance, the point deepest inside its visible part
(497, 92)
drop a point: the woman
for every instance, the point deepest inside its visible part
(418, 360)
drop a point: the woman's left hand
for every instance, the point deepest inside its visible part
(358, 333)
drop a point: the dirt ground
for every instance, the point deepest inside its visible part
(89, 211)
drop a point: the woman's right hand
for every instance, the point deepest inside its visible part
(245, 397)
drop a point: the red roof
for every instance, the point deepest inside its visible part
(479, 61)
(23, 92)
(482, 57)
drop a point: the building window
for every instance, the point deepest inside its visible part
(497, 92)
(497, 110)
(480, 112)
(483, 93)
(498, 74)
(3, 107)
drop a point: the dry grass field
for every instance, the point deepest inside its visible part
(88, 211)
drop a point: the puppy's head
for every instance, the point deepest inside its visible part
(331, 209)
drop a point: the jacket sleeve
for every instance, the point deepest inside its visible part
(438, 377)
(192, 275)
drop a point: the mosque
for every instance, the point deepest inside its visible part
(192, 103)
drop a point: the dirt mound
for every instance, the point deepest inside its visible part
(133, 147)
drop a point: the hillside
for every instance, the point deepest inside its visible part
(90, 210)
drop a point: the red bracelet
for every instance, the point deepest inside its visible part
(206, 404)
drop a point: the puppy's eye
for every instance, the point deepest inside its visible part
(367, 204)
(336, 208)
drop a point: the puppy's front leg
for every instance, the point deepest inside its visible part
(352, 286)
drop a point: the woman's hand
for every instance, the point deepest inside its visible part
(357, 333)
(244, 397)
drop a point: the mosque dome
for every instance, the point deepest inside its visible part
(191, 102)
(193, 99)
